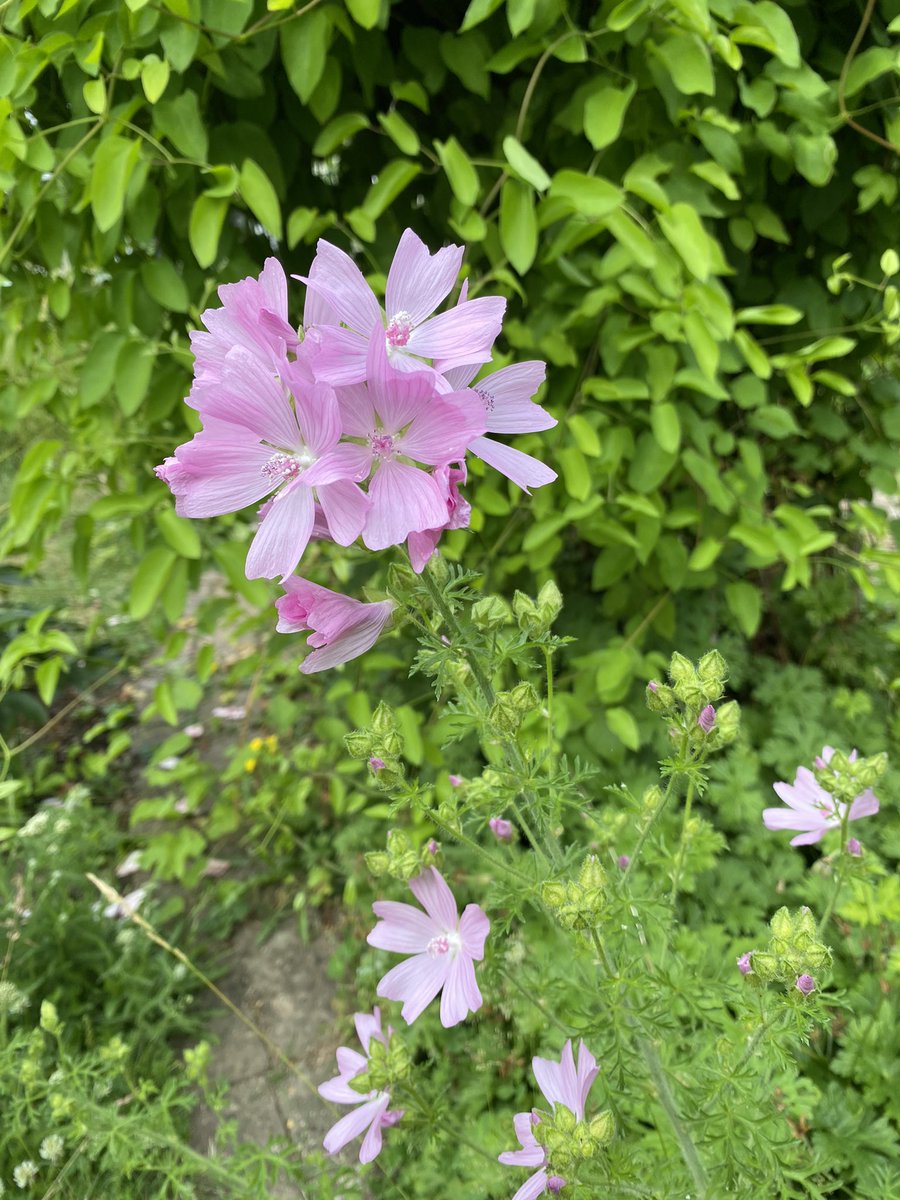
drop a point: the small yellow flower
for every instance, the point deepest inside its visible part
(272, 743)
(249, 765)
(256, 744)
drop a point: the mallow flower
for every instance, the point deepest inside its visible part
(444, 948)
(812, 810)
(564, 1084)
(417, 283)
(373, 1112)
(341, 627)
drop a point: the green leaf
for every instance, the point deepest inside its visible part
(666, 426)
(525, 165)
(684, 231)
(478, 11)
(179, 42)
(815, 156)
(179, 120)
(149, 580)
(518, 225)
(205, 228)
(94, 92)
(180, 533)
(704, 554)
(364, 12)
(462, 176)
(519, 15)
(753, 354)
(718, 177)
(154, 77)
(134, 366)
(114, 162)
(576, 473)
(400, 132)
(626, 13)
(706, 474)
(604, 113)
(261, 197)
(745, 605)
(783, 42)
(392, 179)
(304, 50)
(299, 222)
(46, 677)
(687, 62)
(702, 342)
(587, 195)
(624, 726)
(628, 233)
(165, 285)
(768, 314)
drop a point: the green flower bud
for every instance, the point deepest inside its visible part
(50, 1018)
(681, 669)
(602, 1128)
(870, 770)
(782, 924)
(361, 1083)
(525, 611)
(358, 743)
(506, 712)
(553, 895)
(406, 866)
(377, 862)
(398, 841)
(437, 568)
(491, 613)
(660, 697)
(549, 603)
(728, 724)
(592, 877)
(712, 668)
(564, 1120)
(765, 966)
(383, 721)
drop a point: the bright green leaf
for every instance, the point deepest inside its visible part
(525, 165)
(604, 113)
(462, 176)
(261, 197)
(205, 228)
(518, 225)
(114, 162)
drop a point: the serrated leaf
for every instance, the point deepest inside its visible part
(525, 165)
(260, 197)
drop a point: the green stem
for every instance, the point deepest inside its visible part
(679, 861)
(656, 814)
(545, 1013)
(839, 873)
(495, 861)
(548, 658)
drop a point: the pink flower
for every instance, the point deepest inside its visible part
(744, 963)
(811, 809)
(398, 416)
(263, 432)
(562, 1083)
(422, 544)
(508, 408)
(444, 947)
(417, 283)
(129, 865)
(342, 628)
(501, 829)
(372, 1114)
(707, 719)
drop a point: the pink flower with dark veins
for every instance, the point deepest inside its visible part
(444, 948)
(812, 810)
(341, 627)
(372, 1113)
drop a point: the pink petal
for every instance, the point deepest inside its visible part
(442, 431)
(371, 1146)
(807, 839)
(346, 461)
(432, 892)
(461, 995)
(507, 399)
(586, 1074)
(524, 1127)
(220, 470)
(402, 928)
(522, 469)
(351, 1062)
(251, 397)
(339, 1091)
(462, 335)
(346, 509)
(283, 535)
(549, 1077)
(473, 929)
(368, 1026)
(397, 395)
(533, 1187)
(419, 281)
(356, 640)
(353, 1124)
(865, 805)
(416, 982)
(357, 411)
(421, 546)
(318, 414)
(273, 285)
(404, 499)
(788, 818)
(337, 278)
(337, 355)
(458, 378)
(531, 1154)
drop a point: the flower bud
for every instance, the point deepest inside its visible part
(501, 829)
(549, 603)
(358, 743)
(854, 848)
(712, 668)
(805, 984)
(491, 613)
(602, 1128)
(870, 770)
(50, 1018)
(681, 669)
(553, 895)
(378, 862)
(384, 721)
(660, 697)
(525, 611)
(707, 718)
(623, 862)
(564, 1119)
(745, 966)
(728, 724)
(455, 780)
(377, 764)
(555, 1184)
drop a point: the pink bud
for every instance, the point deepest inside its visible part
(819, 763)
(653, 686)
(455, 780)
(501, 829)
(377, 764)
(193, 731)
(854, 848)
(556, 1183)
(623, 862)
(805, 984)
(433, 847)
(744, 964)
(707, 718)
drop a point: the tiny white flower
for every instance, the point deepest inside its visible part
(25, 1173)
(52, 1147)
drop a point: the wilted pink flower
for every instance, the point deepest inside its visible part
(745, 966)
(399, 416)
(342, 628)
(707, 718)
(508, 408)
(562, 1083)
(444, 947)
(501, 829)
(423, 543)
(455, 780)
(811, 809)
(853, 847)
(127, 905)
(193, 731)
(263, 432)
(417, 283)
(129, 865)
(373, 1113)
(805, 984)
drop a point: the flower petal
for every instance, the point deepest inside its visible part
(533, 1187)
(473, 929)
(461, 995)
(586, 1074)
(371, 1146)
(318, 414)
(865, 805)
(404, 499)
(352, 1125)
(416, 982)
(354, 641)
(346, 461)
(462, 335)
(522, 469)
(402, 928)
(283, 534)
(549, 1077)
(339, 1091)
(442, 430)
(337, 278)
(506, 395)
(396, 395)
(249, 396)
(419, 281)
(433, 893)
(346, 508)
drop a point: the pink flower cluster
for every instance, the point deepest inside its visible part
(357, 426)
(812, 810)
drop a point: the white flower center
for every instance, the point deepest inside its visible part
(382, 445)
(444, 943)
(287, 466)
(399, 327)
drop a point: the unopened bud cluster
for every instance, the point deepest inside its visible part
(511, 708)
(388, 1065)
(382, 745)
(570, 1142)
(400, 859)
(845, 776)
(689, 701)
(578, 904)
(535, 617)
(795, 956)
